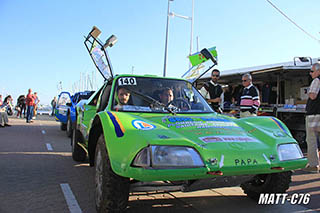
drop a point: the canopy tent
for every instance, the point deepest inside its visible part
(300, 66)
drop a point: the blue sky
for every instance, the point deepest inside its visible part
(41, 42)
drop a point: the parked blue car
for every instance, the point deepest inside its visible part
(65, 111)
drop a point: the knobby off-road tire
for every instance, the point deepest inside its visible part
(112, 190)
(267, 183)
(69, 127)
(78, 154)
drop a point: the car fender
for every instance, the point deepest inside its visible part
(266, 127)
(72, 113)
(121, 152)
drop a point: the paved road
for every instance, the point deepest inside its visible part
(37, 174)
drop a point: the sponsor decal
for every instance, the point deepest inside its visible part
(179, 119)
(174, 119)
(214, 119)
(198, 122)
(141, 125)
(136, 108)
(281, 198)
(245, 162)
(127, 81)
(203, 125)
(252, 130)
(227, 138)
(212, 131)
(163, 137)
(62, 111)
(118, 127)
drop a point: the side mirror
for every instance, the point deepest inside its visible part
(110, 41)
(207, 54)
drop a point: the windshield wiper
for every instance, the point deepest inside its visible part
(171, 109)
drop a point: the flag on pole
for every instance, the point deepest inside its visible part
(198, 58)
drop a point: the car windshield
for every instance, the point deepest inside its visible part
(85, 95)
(142, 94)
(81, 95)
(64, 98)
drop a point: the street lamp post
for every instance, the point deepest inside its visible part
(167, 32)
(191, 37)
(166, 44)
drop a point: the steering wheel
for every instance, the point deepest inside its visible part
(183, 103)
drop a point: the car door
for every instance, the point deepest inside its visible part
(87, 111)
(72, 107)
(98, 52)
(63, 104)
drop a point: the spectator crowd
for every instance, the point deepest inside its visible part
(26, 107)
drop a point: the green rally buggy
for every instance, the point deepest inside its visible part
(147, 145)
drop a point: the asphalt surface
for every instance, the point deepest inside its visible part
(37, 174)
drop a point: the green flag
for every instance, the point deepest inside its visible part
(198, 58)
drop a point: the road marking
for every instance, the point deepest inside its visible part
(43, 132)
(49, 147)
(64, 154)
(71, 200)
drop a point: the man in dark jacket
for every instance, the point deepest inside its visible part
(53, 105)
(215, 90)
(21, 103)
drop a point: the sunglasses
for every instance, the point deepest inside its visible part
(311, 71)
(244, 80)
(215, 75)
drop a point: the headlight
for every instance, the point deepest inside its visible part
(289, 152)
(142, 159)
(168, 156)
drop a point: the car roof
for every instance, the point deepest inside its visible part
(84, 92)
(146, 76)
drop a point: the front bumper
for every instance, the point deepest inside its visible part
(149, 174)
(189, 186)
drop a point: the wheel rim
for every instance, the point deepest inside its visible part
(98, 178)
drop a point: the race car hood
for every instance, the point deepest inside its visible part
(221, 141)
(229, 142)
